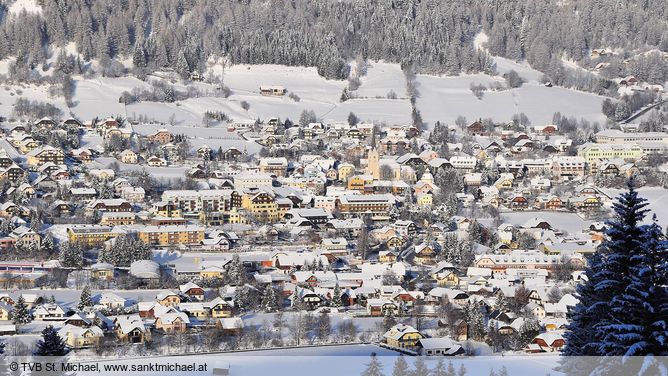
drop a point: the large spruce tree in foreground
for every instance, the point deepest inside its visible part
(51, 344)
(623, 305)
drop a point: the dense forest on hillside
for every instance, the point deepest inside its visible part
(434, 36)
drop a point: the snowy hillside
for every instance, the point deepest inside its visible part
(443, 98)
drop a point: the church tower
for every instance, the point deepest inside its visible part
(373, 164)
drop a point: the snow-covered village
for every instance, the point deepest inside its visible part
(194, 188)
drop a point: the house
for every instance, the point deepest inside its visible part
(82, 154)
(219, 308)
(48, 312)
(162, 137)
(309, 298)
(154, 161)
(130, 328)
(77, 337)
(133, 194)
(439, 346)
(168, 299)
(102, 271)
(5, 311)
(537, 310)
(44, 154)
(568, 168)
(111, 301)
(128, 157)
(424, 254)
(230, 326)
(272, 90)
(402, 336)
(477, 128)
(192, 291)
(171, 235)
(381, 307)
(387, 257)
(171, 321)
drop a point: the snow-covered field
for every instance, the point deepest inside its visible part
(444, 98)
(381, 78)
(342, 360)
(440, 97)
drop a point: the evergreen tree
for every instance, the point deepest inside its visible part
(324, 329)
(501, 303)
(400, 366)
(528, 331)
(336, 296)
(451, 370)
(85, 300)
(440, 369)
(388, 320)
(644, 303)
(586, 313)
(47, 244)
(624, 239)
(420, 367)
(182, 65)
(297, 302)
(51, 344)
(601, 307)
(241, 299)
(236, 271)
(374, 368)
(269, 300)
(20, 313)
(71, 255)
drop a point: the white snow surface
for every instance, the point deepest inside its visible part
(444, 98)
(345, 360)
(30, 6)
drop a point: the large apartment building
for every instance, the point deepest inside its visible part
(89, 236)
(592, 153)
(171, 235)
(374, 204)
(194, 202)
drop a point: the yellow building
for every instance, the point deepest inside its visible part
(261, 205)
(446, 279)
(44, 154)
(77, 337)
(102, 271)
(220, 308)
(91, 235)
(424, 200)
(505, 182)
(168, 299)
(387, 257)
(345, 170)
(166, 209)
(596, 152)
(5, 309)
(171, 235)
(212, 272)
(128, 157)
(359, 182)
(402, 336)
(424, 254)
(196, 310)
(373, 164)
(235, 216)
